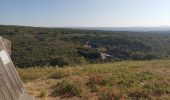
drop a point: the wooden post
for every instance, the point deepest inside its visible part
(11, 87)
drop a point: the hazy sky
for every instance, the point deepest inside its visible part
(89, 13)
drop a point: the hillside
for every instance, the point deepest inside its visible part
(132, 29)
(35, 46)
(127, 80)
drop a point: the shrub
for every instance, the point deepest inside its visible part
(143, 56)
(106, 96)
(146, 76)
(125, 82)
(110, 94)
(59, 61)
(138, 95)
(60, 73)
(156, 89)
(89, 53)
(68, 88)
(94, 87)
(94, 79)
(81, 61)
(43, 93)
(57, 75)
(160, 89)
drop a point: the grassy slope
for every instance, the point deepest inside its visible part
(124, 80)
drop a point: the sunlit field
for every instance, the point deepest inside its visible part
(133, 80)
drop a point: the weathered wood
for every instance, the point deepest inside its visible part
(11, 87)
(7, 45)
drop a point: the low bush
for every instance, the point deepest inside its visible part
(61, 72)
(68, 88)
(156, 89)
(43, 93)
(59, 61)
(125, 82)
(94, 79)
(111, 94)
(146, 76)
(94, 87)
(58, 75)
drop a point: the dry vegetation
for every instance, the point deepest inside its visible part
(136, 80)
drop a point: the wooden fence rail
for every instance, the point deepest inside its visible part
(11, 87)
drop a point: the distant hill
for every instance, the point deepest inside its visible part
(137, 29)
(38, 46)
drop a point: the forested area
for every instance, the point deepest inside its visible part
(35, 46)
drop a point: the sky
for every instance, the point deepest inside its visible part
(85, 13)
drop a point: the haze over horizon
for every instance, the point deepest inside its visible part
(85, 13)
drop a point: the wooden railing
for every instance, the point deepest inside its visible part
(11, 87)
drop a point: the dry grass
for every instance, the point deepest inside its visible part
(111, 81)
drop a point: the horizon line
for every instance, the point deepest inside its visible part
(163, 26)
